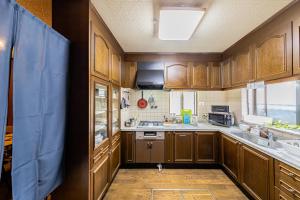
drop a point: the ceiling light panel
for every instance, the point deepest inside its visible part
(178, 24)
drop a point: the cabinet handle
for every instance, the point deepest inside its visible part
(288, 188)
(291, 175)
(182, 135)
(281, 197)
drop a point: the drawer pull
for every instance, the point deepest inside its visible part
(281, 197)
(289, 173)
(292, 175)
(182, 135)
(289, 189)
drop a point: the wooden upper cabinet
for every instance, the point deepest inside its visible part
(215, 76)
(116, 69)
(177, 75)
(100, 54)
(256, 173)
(241, 68)
(226, 73)
(129, 75)
(200, 76)
(273, 52)
(296, 46)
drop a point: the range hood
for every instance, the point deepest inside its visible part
(150, 75)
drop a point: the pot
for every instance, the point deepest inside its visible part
(142, 103)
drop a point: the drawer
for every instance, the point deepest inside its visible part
(116, 139)
(103, 150)
(287, 175)
(289, 190)
(279, 195)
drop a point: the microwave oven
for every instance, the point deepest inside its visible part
(221, 119)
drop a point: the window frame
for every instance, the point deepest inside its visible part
(182, 103)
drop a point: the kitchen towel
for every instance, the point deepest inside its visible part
(6, 35)
(40, 96)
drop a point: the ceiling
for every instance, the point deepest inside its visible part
(226, 22)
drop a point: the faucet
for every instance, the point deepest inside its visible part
(270, 136)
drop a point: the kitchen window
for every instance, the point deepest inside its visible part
(279, 101)
(183, 100)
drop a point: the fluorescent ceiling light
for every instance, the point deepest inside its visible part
(178, 23)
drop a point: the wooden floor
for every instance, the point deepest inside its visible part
(173, 184)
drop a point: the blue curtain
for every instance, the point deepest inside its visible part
(40, 95)
(6, 35)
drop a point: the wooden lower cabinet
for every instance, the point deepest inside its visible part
(279, 195)
(115, 159)
(256, 173)
(100, 178)
(230, 155)
(206, 147)
(287, 181)
(128, 147)
(183, 147)
(169, 147)
(143, 154)
(149, 151)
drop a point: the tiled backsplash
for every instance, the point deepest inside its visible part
(204, 99)
(161, 101)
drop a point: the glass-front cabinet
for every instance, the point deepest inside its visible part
(100, 112)
(115, 102)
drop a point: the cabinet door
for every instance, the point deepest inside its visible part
(129, 74)
(296, 45)
(200, 76)
(273, 51)
(241, 69)
(128, 147)
(256, 173)
(226, 73)
(230, 155)
(215, 76)
(169, 147)
(157, 151)
(100, 54)
(115, 109)
(99, 111)
(143, 151)
(100, 178)
(205, 147)
(183, 147)
(177, 75)
(115, 160)
(116, 69)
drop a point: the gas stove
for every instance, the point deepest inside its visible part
(150, 124)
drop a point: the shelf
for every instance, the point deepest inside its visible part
(100, 112)
(100, 97)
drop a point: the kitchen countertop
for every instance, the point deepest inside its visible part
(277, 153)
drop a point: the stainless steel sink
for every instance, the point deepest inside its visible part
(256, 139)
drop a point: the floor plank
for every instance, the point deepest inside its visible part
(181, 184)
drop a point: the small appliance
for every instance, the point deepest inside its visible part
(220, 116)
